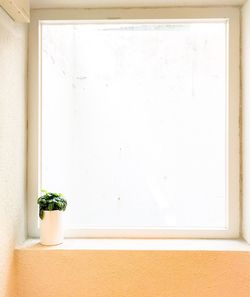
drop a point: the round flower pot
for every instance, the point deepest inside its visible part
(51, 228)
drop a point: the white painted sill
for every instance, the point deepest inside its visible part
(237, 245)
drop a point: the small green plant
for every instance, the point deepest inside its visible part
(51, 201)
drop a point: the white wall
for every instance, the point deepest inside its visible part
(246, 117)
(13, 60)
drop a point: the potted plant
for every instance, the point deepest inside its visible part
(51, 207)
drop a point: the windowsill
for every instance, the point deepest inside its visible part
(142, 245)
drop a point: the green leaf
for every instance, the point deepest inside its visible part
(51, 201)
(41, 214)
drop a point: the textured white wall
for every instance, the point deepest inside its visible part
(246, 117)
(13, 60)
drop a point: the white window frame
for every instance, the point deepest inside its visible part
(232, 14)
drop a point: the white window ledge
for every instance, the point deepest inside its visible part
(142, 245)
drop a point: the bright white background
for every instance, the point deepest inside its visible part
(134, 123)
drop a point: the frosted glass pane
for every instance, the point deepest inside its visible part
(134, 123)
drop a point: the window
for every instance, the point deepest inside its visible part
(137, 127)
(139, 113)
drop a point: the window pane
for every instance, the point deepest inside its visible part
(134, 123)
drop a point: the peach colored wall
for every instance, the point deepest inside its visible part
(80, 273)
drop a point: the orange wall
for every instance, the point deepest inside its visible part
(80, 273)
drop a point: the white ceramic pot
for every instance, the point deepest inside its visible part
(51, 228)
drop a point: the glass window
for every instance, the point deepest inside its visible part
(134, 123)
